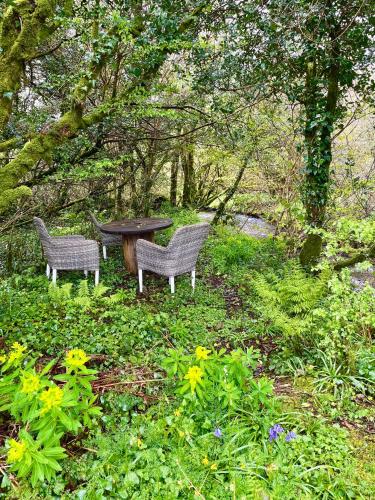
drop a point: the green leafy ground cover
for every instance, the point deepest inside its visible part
(275, 403)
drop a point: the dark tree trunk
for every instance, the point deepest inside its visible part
(189, 178)
(148, 164)
(133, 186)
(174, 179)
(230, 193)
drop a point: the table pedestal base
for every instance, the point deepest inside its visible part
(128, 245)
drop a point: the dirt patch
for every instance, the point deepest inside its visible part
(233, 301)
(130, 379)
(265, 345)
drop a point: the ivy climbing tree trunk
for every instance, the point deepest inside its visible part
(320, 120)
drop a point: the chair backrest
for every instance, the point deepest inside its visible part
(95, 220)
(45, 238)
(186, 243)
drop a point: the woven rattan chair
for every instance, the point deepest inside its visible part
(71, 252)
(106, 238)
(179, 257)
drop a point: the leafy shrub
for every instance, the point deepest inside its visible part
(348, 236)
(213, 378)
(46, 411)
(288, 300)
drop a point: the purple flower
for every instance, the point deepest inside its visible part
(290, 436)
(218, 433)
(275, 431)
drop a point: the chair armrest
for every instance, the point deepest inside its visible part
(151, 247)
(69, 237)
(74, 244)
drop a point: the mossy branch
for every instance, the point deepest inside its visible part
(9, 144)
(42, 146)
(355, 259)
(25, 24)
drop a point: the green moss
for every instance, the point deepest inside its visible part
(10, 196)
(40, 147)
(19, 45)
(311, 250)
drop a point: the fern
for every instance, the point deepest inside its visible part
(62, 295)
(83, 289)
(286, 302)
(59, 295)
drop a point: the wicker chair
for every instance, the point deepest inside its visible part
(179, 257)
(106, 238)
(71, 252)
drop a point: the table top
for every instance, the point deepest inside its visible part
(136, 226)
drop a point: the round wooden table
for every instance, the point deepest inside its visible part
(132, 230)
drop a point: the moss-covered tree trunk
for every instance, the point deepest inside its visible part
(230, 193)
(24, 25)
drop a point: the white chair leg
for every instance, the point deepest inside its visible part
(48, 271)
(193, 279)
(85, 273)
(54, 276)
(104, 252)
(171, 282)
(140, 280)
(97, 277)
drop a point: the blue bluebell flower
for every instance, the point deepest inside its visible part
(218, 433)
(290, 436)
(275, 431)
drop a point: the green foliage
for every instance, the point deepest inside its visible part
(62, 296)
(231, 251)
(349, 236)
(214, 379)
(321, 319)
(166, 453)
(46, 411)
(34, 458)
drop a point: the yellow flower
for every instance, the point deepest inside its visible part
(16, 346)
(139, 442)
(17, 352)
(213, 467)
(51, 398)
(30, 383)
(205, 461)
(76, 358)
(201, 353)
(16, 451)
(181, 434)
(177, 412)
(3, 359)
(194, 376)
